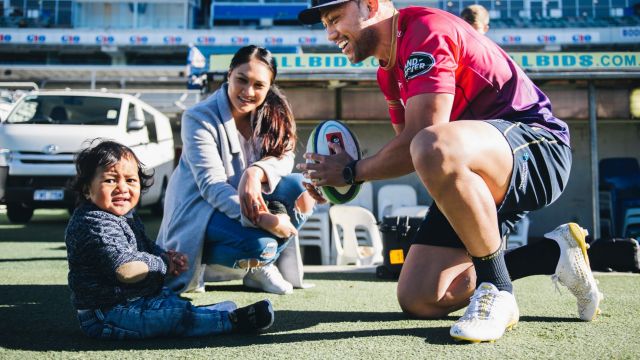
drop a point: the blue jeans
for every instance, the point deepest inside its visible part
(227, 241)
(155, 316)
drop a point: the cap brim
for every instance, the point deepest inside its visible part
(311, 15)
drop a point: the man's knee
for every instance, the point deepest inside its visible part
(418, 306)
(435, 153)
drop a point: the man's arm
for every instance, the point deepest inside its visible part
(394, 159)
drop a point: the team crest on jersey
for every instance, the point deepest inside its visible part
(418, 63)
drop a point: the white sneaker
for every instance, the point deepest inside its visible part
(573, 270)
(269, 279)
(489, 314)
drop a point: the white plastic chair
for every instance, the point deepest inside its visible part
(521, 234)
(411, 211)
(348, 250)
(364, 198)
(395, 196)
(316, 232)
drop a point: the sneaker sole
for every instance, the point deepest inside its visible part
(252, 284)
(509, 327)
(273, 317)
(579, 235)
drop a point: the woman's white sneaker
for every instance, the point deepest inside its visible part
(573, 270)
(267, 278)
(489, 314)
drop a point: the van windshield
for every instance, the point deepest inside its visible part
(66, 109)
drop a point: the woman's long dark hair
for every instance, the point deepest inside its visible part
(274, 127)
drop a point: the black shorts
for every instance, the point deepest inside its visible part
(541, 166)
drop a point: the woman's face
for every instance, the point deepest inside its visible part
(248, 86)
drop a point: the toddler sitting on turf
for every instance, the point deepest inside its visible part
(116, 272)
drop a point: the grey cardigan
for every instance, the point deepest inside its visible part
(205, 180)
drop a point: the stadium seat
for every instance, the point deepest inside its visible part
(620, 176)
(345, 220)
(316, 232)
(394, 196)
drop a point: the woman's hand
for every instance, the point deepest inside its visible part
(314, 192)
(250, 192)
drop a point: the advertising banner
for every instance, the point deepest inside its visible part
(556, 61)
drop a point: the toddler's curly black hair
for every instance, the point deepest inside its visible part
(102, 154)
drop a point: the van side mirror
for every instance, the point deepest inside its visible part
(135, 124)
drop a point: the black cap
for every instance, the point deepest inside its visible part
(312, 15)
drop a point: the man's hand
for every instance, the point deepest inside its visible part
(326, 170)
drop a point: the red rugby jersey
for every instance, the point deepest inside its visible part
(437, 52)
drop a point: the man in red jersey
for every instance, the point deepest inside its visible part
(483, 140)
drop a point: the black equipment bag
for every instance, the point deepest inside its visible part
(615, 254)
(397, 234)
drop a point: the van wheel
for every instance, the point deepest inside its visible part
(158, 208)
(19, 213)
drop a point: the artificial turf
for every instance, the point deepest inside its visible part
(346, 315)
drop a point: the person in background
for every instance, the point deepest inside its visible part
(233, 202)
(477, 16)
(116, 273)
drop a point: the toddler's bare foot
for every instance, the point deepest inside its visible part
(279, 225)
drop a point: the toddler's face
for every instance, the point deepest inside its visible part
(117, 188)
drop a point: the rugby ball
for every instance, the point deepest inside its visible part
(333, 131)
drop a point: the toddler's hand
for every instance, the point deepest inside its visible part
(178, 262)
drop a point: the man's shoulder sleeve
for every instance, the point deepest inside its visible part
(430, 54)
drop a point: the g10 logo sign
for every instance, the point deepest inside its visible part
(5, 38)
(70, 39)
(272, 40)
(511, 39)
(206, 40)
(105, 39)
(547, 39)
(307, 40)
(240, 40)
(172, 40)
(138, 40)
(581, 38)
(36, 39)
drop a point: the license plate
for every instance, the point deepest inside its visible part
(48, 195)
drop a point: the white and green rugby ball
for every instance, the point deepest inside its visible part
(336, 132)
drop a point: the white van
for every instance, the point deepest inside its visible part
(45, 130)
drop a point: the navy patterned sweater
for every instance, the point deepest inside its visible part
(99, 242)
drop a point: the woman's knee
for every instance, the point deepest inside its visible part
(291, 185)
(305, 203)
(264, 249)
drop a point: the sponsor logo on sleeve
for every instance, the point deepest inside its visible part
(418, 63)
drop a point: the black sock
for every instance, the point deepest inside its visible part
(492, 269)
(539, 258)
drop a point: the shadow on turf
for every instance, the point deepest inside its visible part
(34, 259)
(41, 318)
